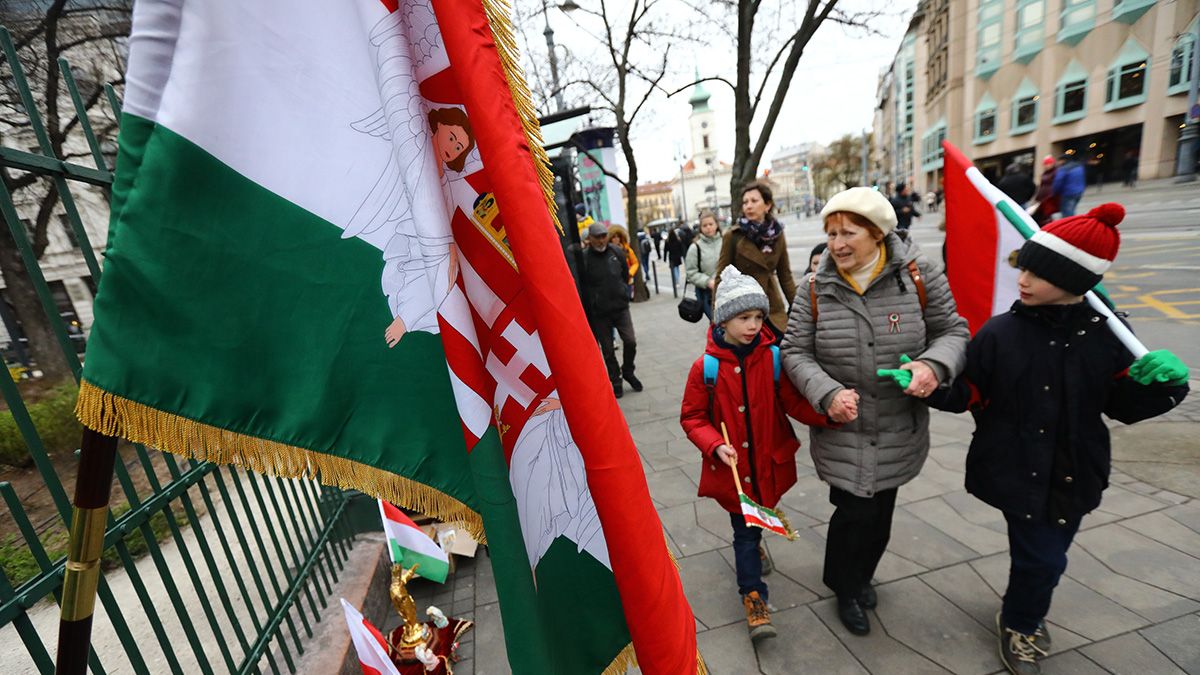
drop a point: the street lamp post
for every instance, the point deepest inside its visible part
(1185, 166)
(551, 49)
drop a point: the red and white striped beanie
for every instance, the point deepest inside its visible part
(1074, 253)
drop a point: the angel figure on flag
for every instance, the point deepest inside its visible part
(407, 207)
(550, 486)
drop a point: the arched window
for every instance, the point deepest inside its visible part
(1024, 108)
(1179, 72)
(985, 120)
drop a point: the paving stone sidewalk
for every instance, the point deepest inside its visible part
(1130, 601)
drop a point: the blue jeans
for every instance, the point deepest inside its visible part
(1037, 559)
(704, 297)
(674, 277)
(1067, 204)
(745, 556)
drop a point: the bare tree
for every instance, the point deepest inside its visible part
(769, 47)
(91, 35)
(634, 41)
(840, 166)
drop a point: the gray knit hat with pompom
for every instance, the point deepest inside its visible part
(738, 293)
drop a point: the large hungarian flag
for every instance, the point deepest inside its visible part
(982, 235)
(331, 254)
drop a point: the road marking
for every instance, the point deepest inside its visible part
(1170, 267)
(1166, 308)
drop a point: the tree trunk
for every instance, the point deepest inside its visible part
(43, 345)
(741, 172)
(641, 292)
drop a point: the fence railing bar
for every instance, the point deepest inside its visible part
(321, 516)
(17, 228)
(81, 112)
(304, 536)
(48, 166)
(273, 533)
(37, 451)
(152, 615)
(209, 561)
(255, 530)
(239, 531)
(25, 630)
(313, 525)
(292, 593)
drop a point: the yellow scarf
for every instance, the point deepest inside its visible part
(880, 261)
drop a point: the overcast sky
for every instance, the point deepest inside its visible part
(833, 92)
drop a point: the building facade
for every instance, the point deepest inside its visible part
(1013, 81)
(791, 178)
(655, 201)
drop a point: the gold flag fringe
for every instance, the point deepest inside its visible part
(626, 659)
(498, 13)
(114, 415)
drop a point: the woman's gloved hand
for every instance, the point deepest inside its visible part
(1159, 366)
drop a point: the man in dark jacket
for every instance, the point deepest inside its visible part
(902, 203)
(1017, 184)
(606, 302)
(1038, 378)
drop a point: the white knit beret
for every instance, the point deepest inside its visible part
(866, 202)
(738, 293)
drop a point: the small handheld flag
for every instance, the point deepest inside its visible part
(409, 546)
(754, 513)
(369, 643)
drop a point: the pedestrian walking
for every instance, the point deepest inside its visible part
(602, 278)
(674, 249)
(756, 246)
(1129, 168)
(814, 258)
(618, 236)
(1038, 379)
(700, 261)
(1047, 201)
(874, 298)
(1070, 180)
(1017, 184)
(904, 207)
(736, 386)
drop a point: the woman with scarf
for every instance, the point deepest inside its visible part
(755, 246)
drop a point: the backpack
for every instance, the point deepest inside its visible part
(913, 271)
(712, 364)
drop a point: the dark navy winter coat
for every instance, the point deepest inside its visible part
(1038, 380)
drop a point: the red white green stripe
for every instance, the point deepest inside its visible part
(409, 545)
(369, 643)
(758, 515)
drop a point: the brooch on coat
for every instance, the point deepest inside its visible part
(893, 322)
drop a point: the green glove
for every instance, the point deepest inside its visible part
(901, 376)
(1159, 366)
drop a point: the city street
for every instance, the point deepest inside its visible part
(1130, 601)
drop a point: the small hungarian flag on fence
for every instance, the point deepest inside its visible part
(409, 545)
(368, 643)
(768, 519)
(332, 253)
(982, 234)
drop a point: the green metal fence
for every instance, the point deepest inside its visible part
(210, 569)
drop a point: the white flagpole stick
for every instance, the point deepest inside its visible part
(1019, 219)
(737, 481)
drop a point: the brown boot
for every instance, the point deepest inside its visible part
(758, 617)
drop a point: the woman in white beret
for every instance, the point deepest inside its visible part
(874, 301)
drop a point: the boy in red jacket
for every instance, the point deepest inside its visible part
(737, 383)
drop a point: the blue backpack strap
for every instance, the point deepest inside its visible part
(775, 360)
(710, 370)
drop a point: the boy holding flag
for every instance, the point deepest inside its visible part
(1038, 378)
(736, 385)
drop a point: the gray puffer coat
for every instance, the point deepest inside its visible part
(852, 337)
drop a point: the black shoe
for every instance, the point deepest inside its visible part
(867, 598)
(618, 390)
(853, 617)
(1017, 651)
(634, 383)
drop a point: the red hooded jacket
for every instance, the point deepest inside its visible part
(758, 430)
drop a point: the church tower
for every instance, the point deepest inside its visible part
(704, 146)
